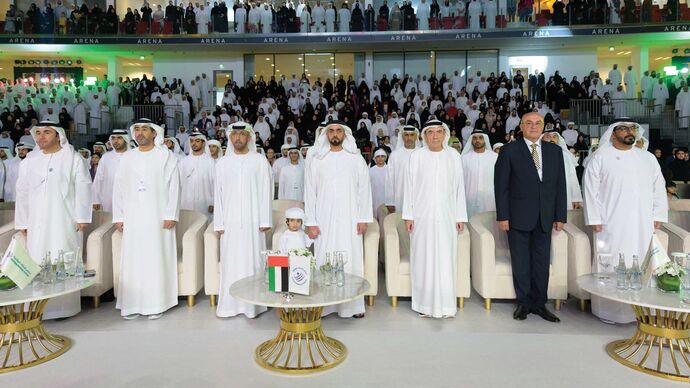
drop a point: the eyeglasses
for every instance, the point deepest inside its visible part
(533, 124)
(622, 128)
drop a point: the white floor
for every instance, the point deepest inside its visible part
(190, 347)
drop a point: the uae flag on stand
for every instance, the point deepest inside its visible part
(278, 273)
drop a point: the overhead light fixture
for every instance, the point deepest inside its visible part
(675, 51)
(69, 62)
(62, 61)
(611, 48)
(268, 59)
(54, 62)
(687, 51)
(141, 57)
(221, 65)
(78, 61)
(683, 70)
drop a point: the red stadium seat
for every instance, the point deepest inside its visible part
(155, 28)
(448, 22)
(460, 23)
(434, 24)
(28, 28)
(656, 14)
(382, 24)
(501, 21)
(142, 28)
(167, 27)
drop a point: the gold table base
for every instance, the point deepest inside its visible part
(24, 341)
(660, 335)
(300, 346)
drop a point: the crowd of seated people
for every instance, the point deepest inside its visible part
(321, 16)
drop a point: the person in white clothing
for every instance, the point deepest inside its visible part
(330, 17)
(572, 185)
(629, 80)
(240, 20)
(423, 12)
(344, 19)
(242, 215)
(291, 180)
(337, 199)
(397, 167)
(478, 166)
(625, 201)
(104, 181)
(615, 76)
(146, 208)
(53, 204)
(294, 237)
(570, 134)
(377, 174)
(434, 211)
(12, 173)
(197, 176)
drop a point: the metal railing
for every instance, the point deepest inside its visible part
(536, 16)
(600, 111)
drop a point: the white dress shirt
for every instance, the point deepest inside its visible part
(541, 160)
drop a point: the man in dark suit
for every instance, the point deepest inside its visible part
(529, 181)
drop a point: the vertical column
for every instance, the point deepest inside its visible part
(113, 68)
(368, 67)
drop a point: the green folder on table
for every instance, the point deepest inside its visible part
(17, 265)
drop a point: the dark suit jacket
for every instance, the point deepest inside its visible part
(520, 197)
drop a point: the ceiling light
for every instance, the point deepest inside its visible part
(611, 48)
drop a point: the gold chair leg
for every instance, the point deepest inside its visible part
(191, 299)
(487, 303)
(461, 303)
(394, 301)
(213, 300)
(583, 305)
(557, 304)
(96, 302)
(370, 300)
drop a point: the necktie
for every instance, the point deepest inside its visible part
(535, 156)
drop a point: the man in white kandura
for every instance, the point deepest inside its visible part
(337, 201)
(197, 176)
(478, 162)
(242, 214)
(397, 167)
(625, 201)
(572, 185)
(291, 182)
(53, 204)
(22, 150)
(434, 211)
(146, 208)
(104, 181)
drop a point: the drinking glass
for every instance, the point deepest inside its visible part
(604, 260)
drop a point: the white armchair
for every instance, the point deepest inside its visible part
(678, 226)
(579, 254)
(381, 214)
(212, 246)
(397, 253)
(190, 254)
(6, 228)
(98, 254)
(492, 275)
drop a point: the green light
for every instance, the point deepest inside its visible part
(221, 66)
(141, 57)
(611, 48)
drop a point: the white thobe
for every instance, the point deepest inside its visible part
(305, 20)
(474, 11)
(205, 89)
(572, 185)
(615, 77)
(266, 21)
(291, 182)
(244, 193)
(344, 20)
(423, 16)
(478, 176)
(330, 20)
(317, 15)
(378, 187)
(240, 20)
(11, 175)
(104, 180)
(660, 95)
(80, 118)
(490, 13)
(197, 177)
(147, 193)
(629, 80)
(624, 192)
(53, 195)
(395, 179)
(337, 196)
(277, 166)
(435, 201)
(290, 240)
(683, 108)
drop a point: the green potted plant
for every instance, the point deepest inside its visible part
(668, 277)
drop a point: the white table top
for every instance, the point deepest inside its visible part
(254, 290)
(38, 291)
(647, 297)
